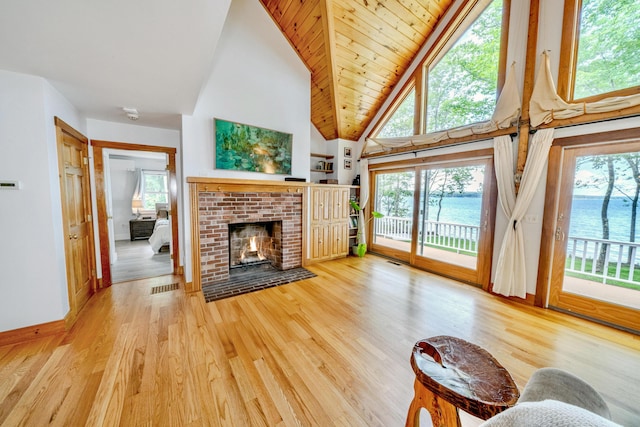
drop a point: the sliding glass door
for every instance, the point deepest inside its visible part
(454, 236)
(394, 198)
(596, 257)
(438, 216)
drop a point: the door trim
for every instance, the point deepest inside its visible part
(103, 232)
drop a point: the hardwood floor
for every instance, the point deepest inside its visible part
(331, 350)
(136, 260)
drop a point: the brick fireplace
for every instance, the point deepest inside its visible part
(217, 204)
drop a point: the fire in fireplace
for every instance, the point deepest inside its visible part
(253, 243)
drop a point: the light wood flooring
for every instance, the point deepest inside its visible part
(136, 260)
(332, 350)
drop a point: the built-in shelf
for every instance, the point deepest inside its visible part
(322, 156)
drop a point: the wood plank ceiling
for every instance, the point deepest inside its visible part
(356, 50)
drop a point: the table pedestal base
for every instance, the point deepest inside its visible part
(443, 413)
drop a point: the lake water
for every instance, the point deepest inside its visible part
(585, 216)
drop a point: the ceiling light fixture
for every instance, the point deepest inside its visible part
(132, 113)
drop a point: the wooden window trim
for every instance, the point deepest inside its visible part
(569, 57)
(419, 77)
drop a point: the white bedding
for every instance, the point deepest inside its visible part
(161, 234)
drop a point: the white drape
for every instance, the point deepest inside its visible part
(510, 277)
(364, 198)
(546, 105)
(505, 115)
(136, 198)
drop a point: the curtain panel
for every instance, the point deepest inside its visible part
(546, 105)
(510, 277)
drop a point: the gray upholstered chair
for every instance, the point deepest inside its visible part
(555, 398)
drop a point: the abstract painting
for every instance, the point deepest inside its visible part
(249, 148)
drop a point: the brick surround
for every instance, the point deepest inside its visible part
(218, 209)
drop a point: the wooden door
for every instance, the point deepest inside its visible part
(339, 239)
(321, 204)
(76, 215)
(340, 204)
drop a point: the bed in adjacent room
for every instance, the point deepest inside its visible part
(161, 237)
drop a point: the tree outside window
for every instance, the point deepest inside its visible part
(608, 46)
(462, 85)
(155, 189)
(401, 122)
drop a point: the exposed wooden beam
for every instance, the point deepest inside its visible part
(326, 12)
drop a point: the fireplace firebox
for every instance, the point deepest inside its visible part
(255, 243)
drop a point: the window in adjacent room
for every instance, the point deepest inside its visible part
(154, 188)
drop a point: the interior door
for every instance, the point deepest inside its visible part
(595, 256)
(76, 214)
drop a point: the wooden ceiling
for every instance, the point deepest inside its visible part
(356, 50)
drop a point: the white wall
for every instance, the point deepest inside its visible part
(33, 284)
(256, 79)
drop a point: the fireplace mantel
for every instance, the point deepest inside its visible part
(218, 202)
(246, 185)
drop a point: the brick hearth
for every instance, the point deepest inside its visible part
(218, 209)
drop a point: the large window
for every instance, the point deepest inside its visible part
(605, 36)
(458, 82)
(401, 121)
(154, 188)
(462, 85)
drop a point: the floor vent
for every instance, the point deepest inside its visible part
(165, 288)
(394, 263)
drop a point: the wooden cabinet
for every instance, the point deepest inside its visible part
(328, 222)
(141, 228)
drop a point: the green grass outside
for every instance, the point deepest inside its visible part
(611, 271)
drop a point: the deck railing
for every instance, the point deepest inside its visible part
(619, 260)
(447, 235)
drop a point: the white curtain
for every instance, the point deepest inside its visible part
(136, 198)
(510, 277)
(505, 115)
(546, 105)
(364, 198)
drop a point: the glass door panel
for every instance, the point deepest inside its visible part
(596, 256)
(450, 214)
(602, 258)
(394, 198)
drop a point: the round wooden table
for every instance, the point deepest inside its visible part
(453, 374)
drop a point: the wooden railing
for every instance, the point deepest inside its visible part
(602, 260)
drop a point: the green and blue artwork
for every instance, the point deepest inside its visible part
(249, 148)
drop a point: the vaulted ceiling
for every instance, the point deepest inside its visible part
(356, 50)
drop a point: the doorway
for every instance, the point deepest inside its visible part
(127, 240)
(595, 257)
(137, 200)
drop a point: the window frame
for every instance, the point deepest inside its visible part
(144, 187)
(569, 57)
(462, 19)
